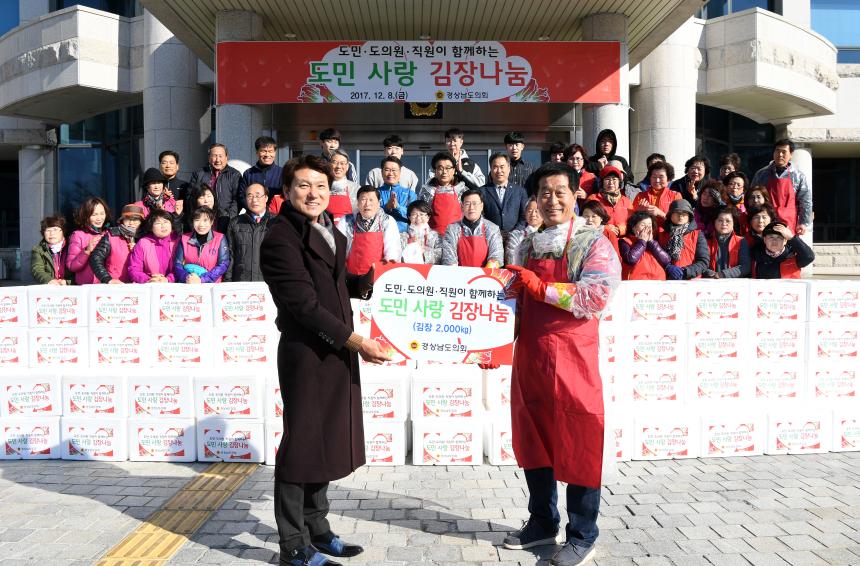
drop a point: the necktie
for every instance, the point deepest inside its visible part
(501, 190)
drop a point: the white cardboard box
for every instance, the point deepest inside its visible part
(182, 347)
(778, 300)
(243, 303)
(799, 430)
(161, 440)
(13, 307)
(497, 390)
(649, 343)
(14, 348)
(30, 438)
(447, 442)
(123, 347)
(834, 341)
(610, 338)
(709, 383)
(58, 347)
(385, 394)
(656, 385)
(160, 397)
(27, 395)
(661, 437)
(834, 301)
(446, 391)
(498, 442)
(245, 346)
(118, 306)
(778, 382)
(833, 381)
(221, 397)
(621, 430)
(723, 300)
(94, 397)
(780, 342)
(274, 433)
(714, 344)
(174, 304)
(54, 306)
(615, 310)
(846, 427)
(231, 440)
(94, 439)
(654, 301)
(274, 409)
(738, 433)
(385, 443)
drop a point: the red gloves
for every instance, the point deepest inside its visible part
(532, 283)
(489, 366)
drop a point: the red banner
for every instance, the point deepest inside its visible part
(275, 72)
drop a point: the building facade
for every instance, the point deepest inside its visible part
(91, 92)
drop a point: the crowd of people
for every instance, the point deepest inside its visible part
(209, 229)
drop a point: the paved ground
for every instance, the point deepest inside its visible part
(769, 510)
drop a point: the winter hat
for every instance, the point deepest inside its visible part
(130, 212)
(151, 175)
(681, 205)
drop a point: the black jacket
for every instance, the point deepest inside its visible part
(767, 267)
(226, 189)
(323, 431)
(179, 187)
(593, 164)
(245, 236)
(510, 214)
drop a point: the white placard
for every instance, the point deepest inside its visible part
(243, 303)
(101, 396)
(441, 442)
(182, 347)
(834, 342)
(14, 348)
(655, 301)
(160, 397)
(739, 433)
(54, 306)
(58, 347)
(30, 396)
(123, 347)
(228, 397)
(658, 437)
(446, 391)
(181, 304)
(385, 443)
(118, 306)
(723, 300)
(94, 439)
(13, 307)
(236, 345)
(836, 301)
(30, 438)
(778, 300)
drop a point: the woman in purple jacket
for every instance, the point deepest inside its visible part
(203, 255)
(151, 260)
(92, 217)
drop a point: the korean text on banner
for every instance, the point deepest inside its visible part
(418, 71)
(444, 314)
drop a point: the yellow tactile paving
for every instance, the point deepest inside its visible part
(161, 536)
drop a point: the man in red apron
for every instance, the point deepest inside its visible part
(371, 235)
(789, 190)
(474, 241)
(442, 192)
(568, 272)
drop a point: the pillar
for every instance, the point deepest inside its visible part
(29, 10)
(35, 196)
(596, 117)
(175, 107)
(664, 104)
(238, 125)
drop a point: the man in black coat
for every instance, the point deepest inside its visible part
(303, 259)
(225, 184)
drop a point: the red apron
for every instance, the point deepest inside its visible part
(782, 194)
(556, 390)
(367, 249)
(472, 251)
(339, 206)
(446, 210)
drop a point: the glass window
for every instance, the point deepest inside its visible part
(838, 21)
(837, 212)
(127, 8)
(849, 56)
(717, 8)
(80, 175)
(9, 16)
(719, 132)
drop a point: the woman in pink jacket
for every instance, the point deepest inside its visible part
(92, 217)
(151, 260)
(109, 261)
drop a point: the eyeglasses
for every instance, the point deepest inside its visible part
(575, 158)
(444, 169)
(256, 197)
(472, 204)
(419, 215)
(340, 163)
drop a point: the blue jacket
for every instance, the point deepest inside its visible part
(510, 214)
(404, 195)
(269, 177)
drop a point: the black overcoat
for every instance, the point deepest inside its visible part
(323, 435)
